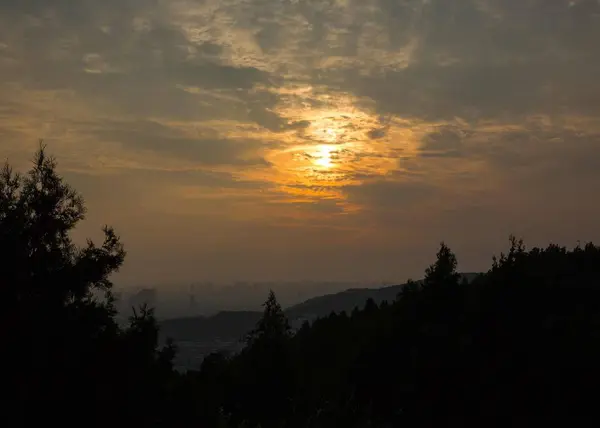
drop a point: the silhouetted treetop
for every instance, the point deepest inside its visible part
(40, 262)
(273, 325)
(443, 271)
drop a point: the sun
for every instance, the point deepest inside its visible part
(323, 156)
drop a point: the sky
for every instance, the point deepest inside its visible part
(310, 139)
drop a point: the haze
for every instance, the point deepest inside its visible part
(310, 139)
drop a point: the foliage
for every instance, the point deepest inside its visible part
(57, 312)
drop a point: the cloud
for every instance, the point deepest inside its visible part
(214, 76)
(169, 141)
(546, 158)
(445, 142)
(388, 195)
(484, 59)
(378, 119)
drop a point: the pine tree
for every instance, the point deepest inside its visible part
(443, 272)
(273, 325)
(268, 361)
(57, 314)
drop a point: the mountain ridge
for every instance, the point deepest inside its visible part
(233, 325)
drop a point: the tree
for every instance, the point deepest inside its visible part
(57, 311)
(273, 325)
(267, 366)
(43, 273)
(410, 289)
(55, 292)
(443, 272)
(370, 306)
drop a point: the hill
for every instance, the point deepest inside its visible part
(226, 325)
(322, 306)
(198, 336)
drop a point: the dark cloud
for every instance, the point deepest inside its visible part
(377, 133)
(214, 76)
(483, 91)
(90, 184)
(485, 59)
(138, 55)
(547, 157)
(382, 195)
(206, 150)
(273, 122)
(446, 142)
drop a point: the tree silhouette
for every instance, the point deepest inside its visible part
(273, 325)
(57, 311)
(267, 365)
(498, 350)
(443, 272)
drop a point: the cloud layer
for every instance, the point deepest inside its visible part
(311, 138)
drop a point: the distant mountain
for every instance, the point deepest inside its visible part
(322, 306)
(198, 336)
(229, 327)
(224, 326)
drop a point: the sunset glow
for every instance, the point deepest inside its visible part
(336, 133)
